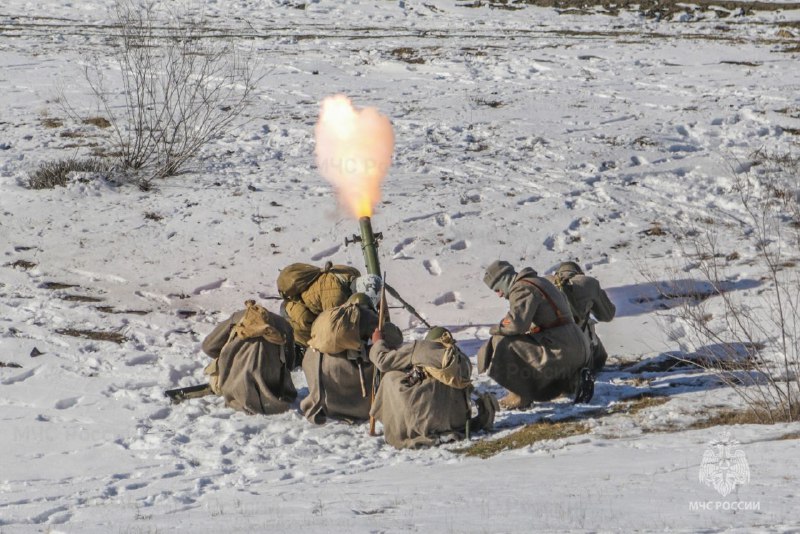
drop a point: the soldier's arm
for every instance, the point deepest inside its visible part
(602, 307)
(386, 359)
(522, 305)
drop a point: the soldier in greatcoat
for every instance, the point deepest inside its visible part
(536, 352)
(253, 352)
(425, 389)
(589, 302)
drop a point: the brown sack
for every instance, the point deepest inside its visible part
(255, 323)
(301, 320)
(296, 278)
(336, 330)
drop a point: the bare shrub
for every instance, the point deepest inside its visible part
(749, 339)
(57, 173)
(182, 86)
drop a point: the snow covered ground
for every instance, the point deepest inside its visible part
(527, 135)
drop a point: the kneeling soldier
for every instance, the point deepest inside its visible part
(588, 302)
(537, 352)
(253, 351)
(337, 369)
(424, 394)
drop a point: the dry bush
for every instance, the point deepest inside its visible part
(183, 85)
(749, 339)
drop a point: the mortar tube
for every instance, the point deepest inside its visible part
(369, 247)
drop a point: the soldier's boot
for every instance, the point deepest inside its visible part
(585, 390)
(512, 401)
(487, 408)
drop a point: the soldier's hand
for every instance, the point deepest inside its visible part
(377, 335)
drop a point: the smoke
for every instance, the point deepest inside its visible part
(354, 152)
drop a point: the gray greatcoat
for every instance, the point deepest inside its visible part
(253, 374)
(588, 298)
(334, 382)
(536, 366)
(416, 415)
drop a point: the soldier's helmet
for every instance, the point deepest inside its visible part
(359, 298)
(369, 285)
(499, 275)
(569, 267)
(436, 333)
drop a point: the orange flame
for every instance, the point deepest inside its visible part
(354, 152)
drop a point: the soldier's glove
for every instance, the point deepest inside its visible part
(413, 377)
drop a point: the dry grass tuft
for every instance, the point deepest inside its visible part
(80, 298)
(153, 216)
(407, 55)
(56, 285)
(111, 309)
(655, 230)
(50, 122)
(635, 405)
(22, 264)
(748, 416)
(100, 122)
(56, 173)
(95, 335)
(526, 436)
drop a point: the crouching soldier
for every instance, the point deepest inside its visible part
(424, 393)
(586, 299)
(336, 364)
(253, 353)
(537, 352)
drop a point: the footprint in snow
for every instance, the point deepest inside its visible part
(162, 413)
(19, 378)
(443, 220)
(529, 200)
(141, 360)
(448, 298)
(432, 266)
(64, 404)
(403, 244)
(209, 287)
(325, 253)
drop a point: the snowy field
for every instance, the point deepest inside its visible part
(527, 135)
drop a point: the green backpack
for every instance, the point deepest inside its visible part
(294, 279)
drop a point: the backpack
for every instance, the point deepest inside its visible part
(330, 289)
(336, 330)
(296, 278)
(455, 371)
(301, 320)
(256, 323)
(308, 291)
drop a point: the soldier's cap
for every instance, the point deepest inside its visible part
(497, 271)
(436, 333)
(359, 298)
(569, 267)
